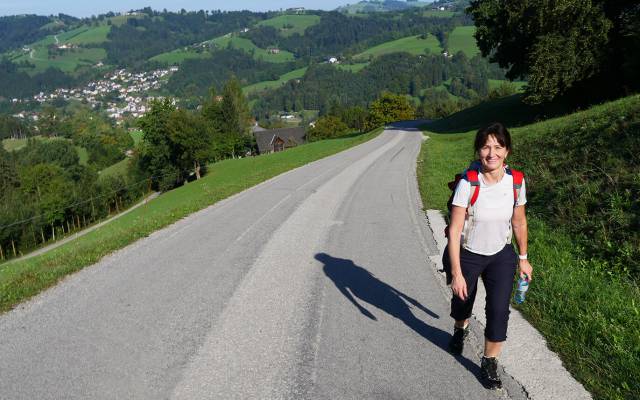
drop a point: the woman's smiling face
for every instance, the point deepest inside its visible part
(492, 154)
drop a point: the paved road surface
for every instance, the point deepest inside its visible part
(310, 286)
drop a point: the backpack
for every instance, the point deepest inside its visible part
(471, 175)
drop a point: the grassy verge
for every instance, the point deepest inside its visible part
(23, 279)
(588, 315)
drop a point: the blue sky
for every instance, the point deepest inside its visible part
(88, 8)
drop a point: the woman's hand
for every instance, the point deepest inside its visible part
(525, 268)
(459, 287)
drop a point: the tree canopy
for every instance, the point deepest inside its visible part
(561, 46)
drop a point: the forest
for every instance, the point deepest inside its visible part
(400, 73)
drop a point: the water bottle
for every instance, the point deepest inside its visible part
(521, 290)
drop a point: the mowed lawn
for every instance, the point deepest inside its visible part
(461, 39)
(409, 44)
(248, 46)
(287, 24)
(265, 85)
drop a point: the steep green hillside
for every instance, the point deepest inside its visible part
(69, 59)
(411, 44)
(289, 24)
(231, 40)
(261, 86)
(584, 217)
(178, 56)
(461, 39)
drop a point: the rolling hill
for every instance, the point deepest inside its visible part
(288, 24)
(418, 44)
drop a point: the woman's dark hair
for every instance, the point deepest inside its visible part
(496, 129)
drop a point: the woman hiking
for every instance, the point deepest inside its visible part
(488, 206)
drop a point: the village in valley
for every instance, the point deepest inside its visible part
(120, 93)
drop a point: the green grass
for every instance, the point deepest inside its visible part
(15, 144)
(248, 46)
(91, 35)
(83, 155)
(21, 280)
(510, 110)
(519, 85)
(66, 62)
(352, 67)
(265, 85)
(70, 59)
(588, 315)
(409, 44)
(461, 39)
(439, 14)
(119, 168)
(136, 136)
(179, 55)
(294, 23)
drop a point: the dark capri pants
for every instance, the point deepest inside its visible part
(497, 271)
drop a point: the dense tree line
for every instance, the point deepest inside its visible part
(16, 83)
(45, 192)
(11, 127)
(588, 49)
(16, 31)
(400, 73)
(197, 75)
(339, 34)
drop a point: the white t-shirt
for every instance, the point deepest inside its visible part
(490, 228)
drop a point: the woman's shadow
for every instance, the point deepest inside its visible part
(355, 282)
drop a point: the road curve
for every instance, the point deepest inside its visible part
(313, 285)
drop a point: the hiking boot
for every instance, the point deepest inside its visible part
(456, 344)
(489, 373)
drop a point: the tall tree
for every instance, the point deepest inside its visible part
(236, 119)
(156, 155)
(560, 45)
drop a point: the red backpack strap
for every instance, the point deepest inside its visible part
(472, 177)
(518, 178)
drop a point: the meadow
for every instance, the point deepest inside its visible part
(289, 24)
(461, 39)
(265, 85)
(248, 46)
(410, 44)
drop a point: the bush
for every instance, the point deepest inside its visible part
(327, 127)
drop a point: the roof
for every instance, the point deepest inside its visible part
(265, 138)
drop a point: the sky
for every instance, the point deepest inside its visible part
(87, 8)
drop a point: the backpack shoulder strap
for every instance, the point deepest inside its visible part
(472, 177)
(518, 178)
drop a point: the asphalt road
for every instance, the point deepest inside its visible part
(313, 285)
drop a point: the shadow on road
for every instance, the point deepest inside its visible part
(355, 282)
